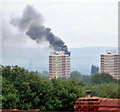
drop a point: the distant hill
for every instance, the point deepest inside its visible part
(37, 58)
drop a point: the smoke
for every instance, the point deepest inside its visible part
(31, 23)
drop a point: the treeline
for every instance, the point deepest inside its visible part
(22, 89)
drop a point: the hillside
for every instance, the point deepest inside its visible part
(37, 58)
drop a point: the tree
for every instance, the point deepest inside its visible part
(10, 97)
(45, 73)
(106, 90)
(86, 78)
(65, 93)
(102, 78)
(94, 70)
(26, 90)
(76, 74)
(109, 90)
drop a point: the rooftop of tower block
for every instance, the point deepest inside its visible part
(60, 53)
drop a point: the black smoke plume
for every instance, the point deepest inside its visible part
(31, 23)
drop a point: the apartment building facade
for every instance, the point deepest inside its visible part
(59, 65)
(110, 63)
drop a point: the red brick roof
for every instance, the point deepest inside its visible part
(103, 104)
(16, 110)
(108, 103)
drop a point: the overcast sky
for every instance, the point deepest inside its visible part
(79, 23)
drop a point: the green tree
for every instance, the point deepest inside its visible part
(27, 90)
(45, 73)
(94, 70)
(87, 78)
(10, 97)
(102, 78)
(65, 94)
(109, 90)
(76, 74)
(106, 90)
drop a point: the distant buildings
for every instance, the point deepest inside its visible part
(110, 63)
(59, 65)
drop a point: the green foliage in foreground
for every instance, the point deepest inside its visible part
(25, 90)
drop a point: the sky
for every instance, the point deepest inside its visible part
(79, 23)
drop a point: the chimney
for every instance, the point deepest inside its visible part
(87, 104)
(88, 93)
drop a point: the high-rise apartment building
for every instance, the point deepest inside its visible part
(59, 65)
(110, 63)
